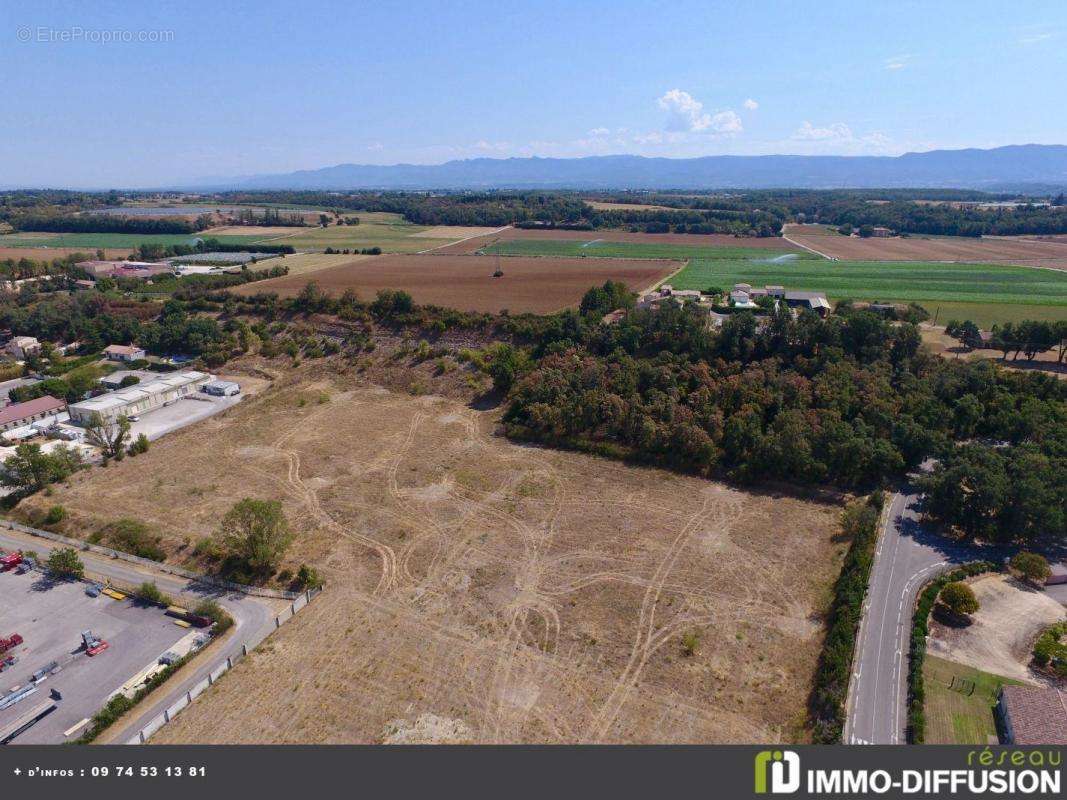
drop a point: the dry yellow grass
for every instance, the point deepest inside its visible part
(483, 591)
(305, 263)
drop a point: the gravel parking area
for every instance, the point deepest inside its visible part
(176, 416)
(51, 616)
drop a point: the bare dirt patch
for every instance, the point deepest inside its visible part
(942, 344)
(1023, 251)
(478, 590)
(1009, 619)
(538, 285)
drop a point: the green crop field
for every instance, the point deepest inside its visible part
(600, 249)
(990, 293)
(388, 231)
(959, 702)
(93, 241)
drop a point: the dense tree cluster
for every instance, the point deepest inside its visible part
(108, 223)
(851, 401)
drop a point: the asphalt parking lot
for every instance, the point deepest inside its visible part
(51, 616)
(186, 411)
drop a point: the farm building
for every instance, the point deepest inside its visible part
(814, 301)
(221, 388)
(882, 233)
(18, 415)
(1033, 715)
(22, 346)
(123, 269)
(124, 352)
(140, 398)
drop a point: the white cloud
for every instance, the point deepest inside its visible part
(898, 62)
(750, 104)
(838, 137)
(1036, 38)
(726, 122)
(492, 147)
(837, 131)
(686, 113)
(596, 132)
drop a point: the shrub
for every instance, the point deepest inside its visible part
(64, 562)
(959, 598)
(140, 445)
(690, 640)
(133, 536)
(306, 578)
(55, 515)
(216, 613)
(1032, 566)
(1050, 651)
(150, 593)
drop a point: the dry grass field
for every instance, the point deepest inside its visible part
(694, 239)
(1023, 251)
(306, 263)
(482, 591)
(538, 285)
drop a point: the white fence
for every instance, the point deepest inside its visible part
(218, 671)
(78, 544)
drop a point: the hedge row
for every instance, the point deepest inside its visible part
(1050, 651)
(120, 703)
(830, 691)
(920, 626)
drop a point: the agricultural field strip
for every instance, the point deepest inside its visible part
(889, 280)
(600, 248)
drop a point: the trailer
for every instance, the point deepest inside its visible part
(14, 640)
(92, 644)
(185, 615)
(26, 721)
(10, 561)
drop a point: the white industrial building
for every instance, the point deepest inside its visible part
(221, 388)
(140, 398)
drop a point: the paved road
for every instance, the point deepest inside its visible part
(907, 556)
(251, 615)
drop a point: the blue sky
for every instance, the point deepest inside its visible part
(224, 89)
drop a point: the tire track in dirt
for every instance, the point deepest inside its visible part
(647, 635)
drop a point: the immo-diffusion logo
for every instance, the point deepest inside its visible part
(783, 766)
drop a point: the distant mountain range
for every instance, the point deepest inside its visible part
(1012, 168)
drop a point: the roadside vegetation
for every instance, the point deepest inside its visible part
(859, 523)
(916, 721)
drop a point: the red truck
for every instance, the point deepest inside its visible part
(14, 640)
(10, 561)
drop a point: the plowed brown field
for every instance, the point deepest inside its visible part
(537, 285)
(1026, 252)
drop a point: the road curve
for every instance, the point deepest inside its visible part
(906, 558)
(251, 616)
